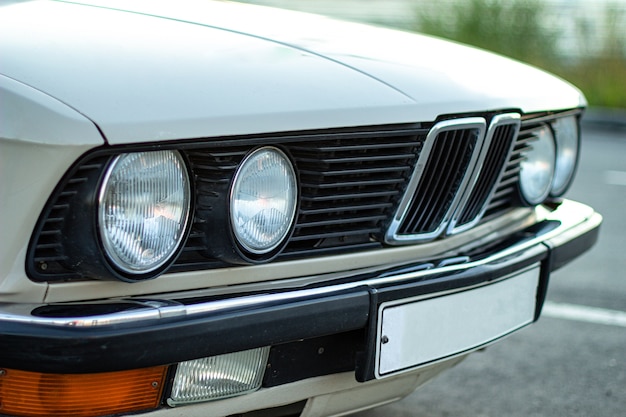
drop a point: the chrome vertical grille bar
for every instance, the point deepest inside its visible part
(443, 170)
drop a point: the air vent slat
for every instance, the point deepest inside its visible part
(343, 220)
(360, 183)
(364, 207)
(337, 198)
(334, 234)
(353, 160)
(355, 171)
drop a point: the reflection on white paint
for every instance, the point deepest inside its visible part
(584, 314)
(615, 177)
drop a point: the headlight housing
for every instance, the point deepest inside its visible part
(143, 210)
(538, 166)
(263, 201)
(567, 138)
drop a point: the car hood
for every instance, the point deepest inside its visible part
(156, 70)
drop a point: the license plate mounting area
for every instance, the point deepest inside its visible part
(417, 331)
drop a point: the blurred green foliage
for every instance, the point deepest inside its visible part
(516, 28)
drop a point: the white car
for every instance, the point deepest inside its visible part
(217, 209)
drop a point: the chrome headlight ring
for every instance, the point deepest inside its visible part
(538, 166)
(144, 205)
(567, 136)
(263, 202)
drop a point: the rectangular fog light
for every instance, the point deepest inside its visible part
(218, 377)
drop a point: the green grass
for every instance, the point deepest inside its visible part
(602, 79)
(513, 28)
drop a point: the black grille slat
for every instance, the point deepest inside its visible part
(50, 259)
(296, 252)
(346, 147)
(332, 221)
(352, 196)
(365, 206)
(333, 233)
(355, 160)
(355, 171)
(372, 183)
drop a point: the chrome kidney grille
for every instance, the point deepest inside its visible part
(454, 178)
(442, 170)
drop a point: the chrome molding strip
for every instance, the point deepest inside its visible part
(392, 236)
(498, 121)
(575, 219)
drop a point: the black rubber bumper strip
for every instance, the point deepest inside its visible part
(86, 350)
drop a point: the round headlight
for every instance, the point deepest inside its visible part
(144, 205)
(263, 200)
(566, 133)
(537, 167)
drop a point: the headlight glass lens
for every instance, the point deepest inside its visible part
(537, 167)
(566, 133)
(143, 209)
(263, 200)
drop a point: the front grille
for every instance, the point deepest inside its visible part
(350, 187)
(358, 186)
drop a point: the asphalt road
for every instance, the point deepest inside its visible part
(560, 366)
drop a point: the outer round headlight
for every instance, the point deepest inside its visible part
(537, 167)
(144, 205)
(566, 133)
(263, 200)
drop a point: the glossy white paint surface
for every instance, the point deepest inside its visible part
(220, 68)
(147, 79)
(40, 137)
(29, 115)
(436, 74)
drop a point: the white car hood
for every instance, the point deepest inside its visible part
(180, 70)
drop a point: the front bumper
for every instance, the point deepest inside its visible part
(135, 333)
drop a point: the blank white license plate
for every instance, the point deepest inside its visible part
(415, 332)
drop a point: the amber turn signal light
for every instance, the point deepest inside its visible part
(29, 394)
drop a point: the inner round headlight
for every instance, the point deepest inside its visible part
(144, 206)
(537, 167)
(566, 133)
(263, 200)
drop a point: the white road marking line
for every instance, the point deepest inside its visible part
(615, 177)
(585, 314)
